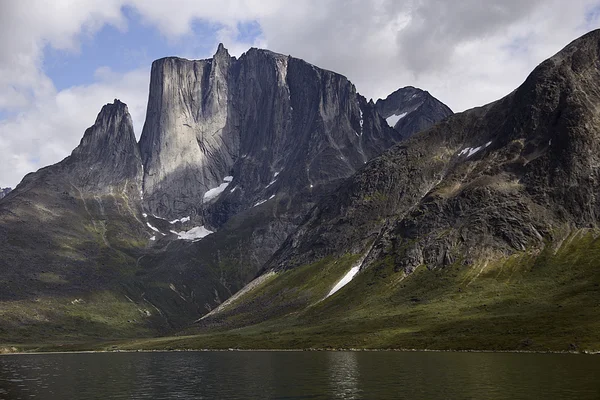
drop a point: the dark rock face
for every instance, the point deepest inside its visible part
(4, 192)
(273, 123)
(410, 110)
(483, 184)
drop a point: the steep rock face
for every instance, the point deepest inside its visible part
(108, 155)
(272, 122)
(410, 110)
(187, 144)
(283, 133)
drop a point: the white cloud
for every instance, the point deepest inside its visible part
(52, 126)
(466, 53)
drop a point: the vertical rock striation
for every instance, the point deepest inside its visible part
(273, 122)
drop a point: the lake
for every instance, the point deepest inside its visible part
(300, 375)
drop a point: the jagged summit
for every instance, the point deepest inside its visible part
(112, 129)
(250, 118)
(221, 51)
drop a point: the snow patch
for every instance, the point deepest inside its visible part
(194, 234)
(270, 183)
(275, 174)
(259, 203)
(345, 280)
(234, 189)
(272, 196)
(151, 227)
(153, 238)
(392, 120)
(469, 151)
(145, 215)
(182, 220)
(215, 192)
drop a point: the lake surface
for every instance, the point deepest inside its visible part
(299, 375)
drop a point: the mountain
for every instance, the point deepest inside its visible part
(410, 110)
(272, 123)
(127, 239)
(4, 192)
(480, 232)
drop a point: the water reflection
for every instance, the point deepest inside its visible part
(299, 375)
(344, 374)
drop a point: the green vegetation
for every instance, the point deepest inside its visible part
(535, 301)
(549, 300)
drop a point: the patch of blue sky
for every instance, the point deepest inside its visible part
(136, 47)
(121, 51)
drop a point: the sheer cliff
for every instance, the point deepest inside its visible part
(273, 123)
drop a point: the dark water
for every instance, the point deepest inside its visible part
(300, 375)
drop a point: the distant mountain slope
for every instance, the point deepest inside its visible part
(490, 210)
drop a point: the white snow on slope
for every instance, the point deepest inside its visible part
(259, 203)
(345, 280)
(215, 192)
(182, 220)
(469, 151)
(196, 233)
(395, 118)
(151, 227)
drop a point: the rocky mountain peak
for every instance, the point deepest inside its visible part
(108, 152)
(410, 110)
(221, 52)
(113, 126)
(248, 118)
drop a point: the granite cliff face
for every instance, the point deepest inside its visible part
(273, 123)
(410, 110)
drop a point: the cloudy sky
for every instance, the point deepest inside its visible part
(61, 60)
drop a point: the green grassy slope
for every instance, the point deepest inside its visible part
(537, 302)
